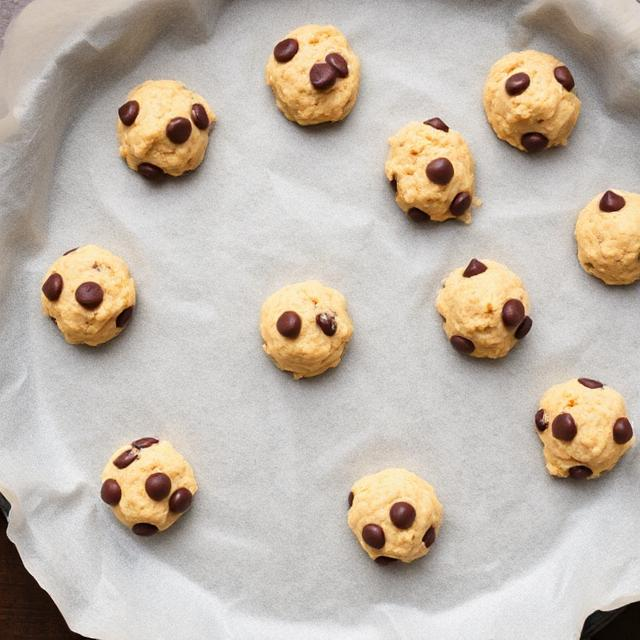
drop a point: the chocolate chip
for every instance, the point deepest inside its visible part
(541, 420)
(622, 431)
(125, 458)
(178, 130)
(158, 486)
(611, 202)
(322, 75)
(517, 84)
(417, 215)
(436, 123)
(580, 472)
(289, 324)
(534, 141)
(429, 537)
(89, 295)
(144, 529)
(327, 322)
(440, 171)
(591, 384)
(124, 317)
(150, 171)
(52, 287)
(524, 328)
(460, 203)
(199, 116)
(564, 427)
(111, 492)
(285, 49)
(512, 313)
(180, 500)
(474, 268)
(402, 514)
(338, 63)
(384, 560)
(143, 443)
(66, 253)
(564, 77)
(350, 499)
(373, 535)
(128, 112)
(463, 345)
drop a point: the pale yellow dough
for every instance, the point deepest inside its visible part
(312, 352)
(295, 96)
(609, 242)
(90, 263)
(472, 308)
(411, 150)
(594, 412)
(146, 139)
(373, 497)
(135, 505)
(544, 107)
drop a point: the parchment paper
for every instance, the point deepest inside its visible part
(266, 552)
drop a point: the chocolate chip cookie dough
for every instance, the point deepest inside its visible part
(608, 237)
(89, 294)
(485, 309)
(584, 428)
(529, 100)
(314, 75)
(163, 128)
(305, 328)
(148, 484)
(395, 515)
(432, 171)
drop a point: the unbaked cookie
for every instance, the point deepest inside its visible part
(431, 170)
(163, 127)
(584, 428)
(314, 75)
(305, 328)
(148, 484)
(529, 100)
(89, 294)
(608, 236)
(395, 515)
(485, 309)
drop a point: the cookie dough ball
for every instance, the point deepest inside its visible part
(89, 294)
(148, 484)
(584, 428)
(608, 236)
(432, 171)
(529, 100)
(395, 515)
(314, 75)
(163, 127)
(305, 328)
(485, 309)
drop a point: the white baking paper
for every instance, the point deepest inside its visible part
(265, 552)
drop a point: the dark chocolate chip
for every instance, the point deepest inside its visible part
(512, 313)
(289, 324)
(460, 203)
(580, 472)
(111, 492)
(128, 112)
(89, 295)
(541, 420)
(350, 499)
(144, 529)
(178, 130)
(436, 123)
(66, 253)
(52, 287)
(564, 77)
(180, 500)
(463, 345)
(150, 171)
(384, 560)
(123, 317)
(517, 84)
(199, 116)
(591, 384)
(285, 49)
(402, 514)
(322, 75)
(338, 63)
(564, 427)
(534, 141)
(611, 202)
(327, 322)
(158, 486)
(429, 537)
(440, 171)
(125, 458)
(143, 443)
(622, 431)
(474, 268)
(524, 328)
(373, 535)
(417, 215)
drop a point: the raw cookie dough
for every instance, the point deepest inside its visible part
(314, 75)
(148, 484)
(305, 328)
(529, 100)
(432, 171)
(584, 428)
(485, 309)
(608, 236)
(89, 294)
(164, 128)
(395, 515)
